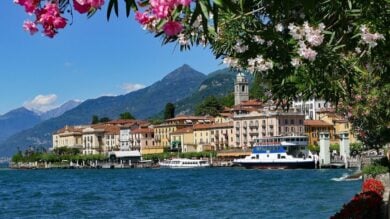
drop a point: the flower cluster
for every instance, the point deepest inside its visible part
(308, 37)
(231, 62)
(240, 47)
(259, 64)
(162, 11)
(84, 6)
(370, 38)
(29, 5)
(49, 17)
(374, 186)
(366, 204)
(362, 205)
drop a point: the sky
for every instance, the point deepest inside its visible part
(89, 58)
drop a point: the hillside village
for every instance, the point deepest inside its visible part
(234, 128)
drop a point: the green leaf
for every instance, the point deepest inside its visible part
(112, 4)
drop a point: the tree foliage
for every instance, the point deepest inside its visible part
(126, 115)
(210, 106)
(169, 111)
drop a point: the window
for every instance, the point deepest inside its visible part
(243, 88)
(286, 121)
(292, 122)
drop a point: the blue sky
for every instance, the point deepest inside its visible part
(89, 58)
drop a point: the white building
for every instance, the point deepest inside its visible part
(311, 107)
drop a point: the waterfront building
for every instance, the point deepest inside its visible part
(162, 131)
(340, 123)
(217, 136)
(142, 139)
(126, 128)
(251, 123)
(313, 128)
(183, 140)
(311, 107)
(69, 136)
(253, 119)
(100, 138)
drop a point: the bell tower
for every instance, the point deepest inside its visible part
(241, 89)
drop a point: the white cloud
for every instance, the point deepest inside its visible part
(42, 103)
(129, 87)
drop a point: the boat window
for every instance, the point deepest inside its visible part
(278, 156)
(257, 156)
(283, 157)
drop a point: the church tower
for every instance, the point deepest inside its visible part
(241, 89)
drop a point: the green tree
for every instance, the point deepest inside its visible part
(95, 119)
(169, 111)
(257, 89)
(210, 106)
(104, 119)
(126, 115)
(228, 100)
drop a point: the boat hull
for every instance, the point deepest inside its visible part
(278, 165)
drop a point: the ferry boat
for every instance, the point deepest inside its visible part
(279, 152)
(184, 163)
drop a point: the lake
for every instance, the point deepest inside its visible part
(167, 193)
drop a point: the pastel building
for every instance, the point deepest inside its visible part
(69, 136)
(311, 107)
(217, 136)
(183, 140)
(313, 128)
(100, 138)
(162, 131)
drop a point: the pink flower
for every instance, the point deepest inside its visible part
(29, 5)
(82, 6)
(50, 19)
(59, 22)
(172, 28)
(142, 18)
(161, 11)
(30, 26)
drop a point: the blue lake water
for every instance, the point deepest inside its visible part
(165, 193)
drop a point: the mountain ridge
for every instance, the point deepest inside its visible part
(143, 103)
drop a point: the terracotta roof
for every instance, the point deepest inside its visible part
(107, 128)
(77, 129)
(213, 126)
(125, 122)
(251, 102)
(316, 123)
(184, 117)
(183, 130)
(142, 130)
(229, 115)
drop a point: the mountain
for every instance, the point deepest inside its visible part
(60, 110)
(142, 103)
(16, 121)
(219, 83)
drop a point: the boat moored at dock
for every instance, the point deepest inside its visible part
(280, 152)
(184, 163)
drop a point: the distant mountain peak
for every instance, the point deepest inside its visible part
(60, 110)
(185, 71)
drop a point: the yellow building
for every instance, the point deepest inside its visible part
(217, 136)
(69, 136)
(340, 124)
(162, 132)
(183, 139)
(314, 127)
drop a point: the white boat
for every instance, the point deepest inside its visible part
(281, 152)
(184, 163)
